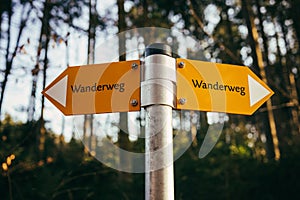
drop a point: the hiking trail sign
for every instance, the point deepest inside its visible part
(97, 88)
(219, 87)
(115, 87)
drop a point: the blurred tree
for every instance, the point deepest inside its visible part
(293, 7)
(11, 54)
(259, 62)
(46, 33)
(285, 71)
(88, 131)
(61, 14)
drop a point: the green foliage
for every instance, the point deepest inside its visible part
(230, 171)
(223, 176)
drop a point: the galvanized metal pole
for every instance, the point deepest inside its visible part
(158, 96)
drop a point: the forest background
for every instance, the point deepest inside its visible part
(41, 155)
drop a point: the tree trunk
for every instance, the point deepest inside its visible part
(88, 119)
(10, 57)
(295, 13)
(1, 25)
(7, 57)
(271, 132)
(46, 36)
(35, 71)
(124, 143)
(123, 135)
(289, 80)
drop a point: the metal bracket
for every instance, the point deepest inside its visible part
(159, 81)
(158, 91)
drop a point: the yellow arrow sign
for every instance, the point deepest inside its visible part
(218, 87)
(115, 87)
(98, 88)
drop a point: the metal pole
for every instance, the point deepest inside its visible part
(158, 96)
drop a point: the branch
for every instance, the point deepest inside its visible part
(201, 25)
(66, 181)
(276, 107)
(69, 190)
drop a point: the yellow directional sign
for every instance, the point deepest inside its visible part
(98, 88)
(218, 87)
(115, 87)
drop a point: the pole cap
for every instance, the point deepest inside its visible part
(158, 48)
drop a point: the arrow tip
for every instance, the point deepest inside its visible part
(257, 91)
(58, 91)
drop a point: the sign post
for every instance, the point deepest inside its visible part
(158, 97)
